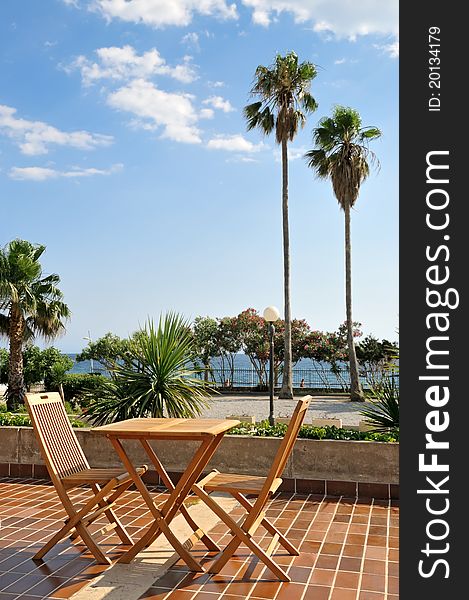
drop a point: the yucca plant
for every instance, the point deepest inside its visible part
(383, 412)
(156, 379)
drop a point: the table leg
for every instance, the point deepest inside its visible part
(198, 532)
(193, 471)
(160, 525)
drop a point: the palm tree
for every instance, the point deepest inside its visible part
(285, 99)
(31, 306)
(341, 154)
(156, 378)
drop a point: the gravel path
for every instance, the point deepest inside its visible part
(322, 407)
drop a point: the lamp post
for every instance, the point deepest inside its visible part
(271, 314)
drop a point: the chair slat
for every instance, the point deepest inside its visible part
(68, 468)
(60, 445)
(263, 488)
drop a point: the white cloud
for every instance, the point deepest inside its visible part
(241, 159)
(348, 61)
(392, 48)
(159, 13)
(43, 173)
(216, 84)
(155, 108)
(234, 143)
(219, 103)
(125, 63)
(191, 39)
(206, 113)
(34, 137)
(344, 18)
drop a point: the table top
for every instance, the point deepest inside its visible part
(166, 428)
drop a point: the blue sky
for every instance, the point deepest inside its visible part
(123, 149)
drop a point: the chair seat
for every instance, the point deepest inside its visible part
(232, 482)
(99, 476)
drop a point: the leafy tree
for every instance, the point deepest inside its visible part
(284, 95)
(255, 341)
(376, 357)
(206, 347)
(341, 154)
(105, 350)
(48, 365)
(157, 379)
(331, 348)
(31, 305)
(229, 343)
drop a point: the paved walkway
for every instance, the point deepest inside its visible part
(348, 551)
(257, 405)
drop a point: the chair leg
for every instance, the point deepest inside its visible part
(289, 547)
(93, 547)
(241, 536)
(55, 539)
(75, 521)
(111, 515)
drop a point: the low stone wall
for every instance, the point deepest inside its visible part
(333, 467)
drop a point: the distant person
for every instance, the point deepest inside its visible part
(227, 382)
(302, 383)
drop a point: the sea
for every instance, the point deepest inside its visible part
(306, 373)
(241, 362)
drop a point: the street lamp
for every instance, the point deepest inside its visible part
(271, 314)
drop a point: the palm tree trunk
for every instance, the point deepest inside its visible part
(356, 392)
(16, 389)
(287, 385)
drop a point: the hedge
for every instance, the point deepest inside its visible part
(263, 429)
(76, 383)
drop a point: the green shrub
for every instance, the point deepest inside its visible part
(20, 420)
(383, 411)
(76, 384)
(263, 429)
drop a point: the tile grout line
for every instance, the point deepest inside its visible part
(386, 562)
(67, 579)
(319, 550)
(304, 537)
(342, 550)
(285, 533)
(253, 559)
(362, 563)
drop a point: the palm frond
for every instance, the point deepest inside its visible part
(341, 153)
(383, 413)
(283, 90)
(157, 380)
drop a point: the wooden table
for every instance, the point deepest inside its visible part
(209, 432)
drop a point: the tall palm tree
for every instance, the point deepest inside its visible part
(31, 305)
(285, 100)
(341, 154)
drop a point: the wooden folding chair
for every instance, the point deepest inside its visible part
(263, 487)
(68, 469)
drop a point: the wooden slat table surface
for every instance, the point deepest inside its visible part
(166, 428)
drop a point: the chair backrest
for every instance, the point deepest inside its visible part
(59, 445)
(286, 446)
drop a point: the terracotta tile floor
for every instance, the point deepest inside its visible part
(348, 551)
